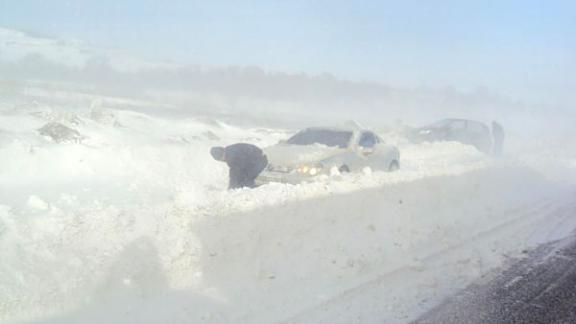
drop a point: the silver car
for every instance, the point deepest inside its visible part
(326, 151)
(464, 131)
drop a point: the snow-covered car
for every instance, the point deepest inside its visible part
(464, 131)
(326, 151)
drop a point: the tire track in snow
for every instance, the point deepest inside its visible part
(527, 217)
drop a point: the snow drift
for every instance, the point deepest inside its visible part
(284, 261)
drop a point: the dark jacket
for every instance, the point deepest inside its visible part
(246, 161)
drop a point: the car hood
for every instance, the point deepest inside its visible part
(293, 155)
(426, 129)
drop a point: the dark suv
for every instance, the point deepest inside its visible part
(464, 131)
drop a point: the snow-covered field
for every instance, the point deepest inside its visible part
(130, 222)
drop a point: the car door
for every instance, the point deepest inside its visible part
(479, 136)
(457, 131)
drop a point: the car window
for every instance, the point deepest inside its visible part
(477, 127)
(321, 136)
(441, 124)
(457, 125)
(367, 140)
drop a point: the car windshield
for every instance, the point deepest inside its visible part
(326, 137)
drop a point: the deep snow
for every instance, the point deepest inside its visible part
(133, 223)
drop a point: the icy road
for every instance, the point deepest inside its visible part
(131, 223)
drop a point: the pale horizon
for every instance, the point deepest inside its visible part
(520, 50)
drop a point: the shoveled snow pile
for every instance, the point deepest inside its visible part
(133, 224)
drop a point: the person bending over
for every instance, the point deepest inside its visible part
(245, 161)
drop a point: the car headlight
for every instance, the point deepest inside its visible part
(309, 170)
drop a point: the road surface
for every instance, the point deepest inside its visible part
(538, 289)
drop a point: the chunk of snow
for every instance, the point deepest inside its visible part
(35, 202)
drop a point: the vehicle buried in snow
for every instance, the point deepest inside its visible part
(317, 151)
(464, 131)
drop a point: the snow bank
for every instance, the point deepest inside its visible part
(272, 263)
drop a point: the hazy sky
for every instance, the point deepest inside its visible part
(522, 48)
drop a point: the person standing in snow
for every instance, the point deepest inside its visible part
(245, 161)
(498, 137)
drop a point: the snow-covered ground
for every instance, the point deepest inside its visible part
(131, 222)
